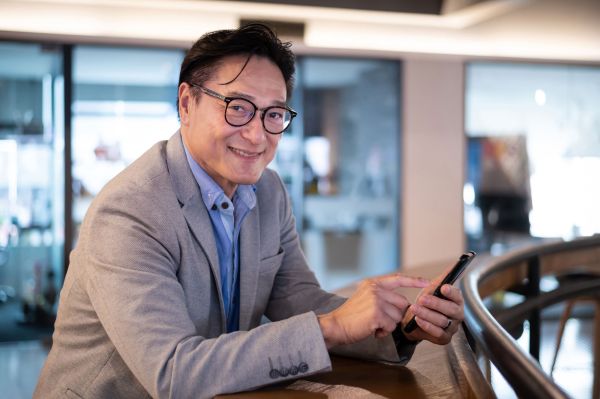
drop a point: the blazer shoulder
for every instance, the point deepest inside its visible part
(145, 183)
(149, 166)
(145, 169)
(270, 181)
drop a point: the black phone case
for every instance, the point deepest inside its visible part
(450, 278)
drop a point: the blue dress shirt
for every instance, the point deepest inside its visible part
(226, 216)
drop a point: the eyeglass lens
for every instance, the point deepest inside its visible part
(240, 111)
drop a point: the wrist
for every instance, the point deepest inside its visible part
(328, 327)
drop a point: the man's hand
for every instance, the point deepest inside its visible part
(374, 309)
(438, 319)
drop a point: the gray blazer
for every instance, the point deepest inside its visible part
(141, 312)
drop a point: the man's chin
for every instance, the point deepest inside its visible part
(247, 180)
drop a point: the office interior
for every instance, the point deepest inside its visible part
(425, 128)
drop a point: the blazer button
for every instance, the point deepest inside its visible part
(303, 367)
(274, 373)
(294, 370)
(284, 371)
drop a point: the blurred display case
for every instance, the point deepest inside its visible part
(124, 102)
(32, 180)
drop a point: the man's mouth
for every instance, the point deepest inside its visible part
(246, 154)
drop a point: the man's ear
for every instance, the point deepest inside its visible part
(185, 99)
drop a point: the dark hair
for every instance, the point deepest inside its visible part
(253, 39)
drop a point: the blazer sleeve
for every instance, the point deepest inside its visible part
(129, 255)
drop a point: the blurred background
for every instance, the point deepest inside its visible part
(425, 128)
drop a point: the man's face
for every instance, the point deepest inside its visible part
(232, 155)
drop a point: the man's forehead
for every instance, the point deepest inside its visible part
(232, 61)
(238, 74)
(242, 64)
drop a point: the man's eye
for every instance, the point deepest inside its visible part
(237, 108)
(275, 115)
(240, 107)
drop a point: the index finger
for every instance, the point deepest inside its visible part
(397, 280)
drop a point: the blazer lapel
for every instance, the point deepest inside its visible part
(199, 223)
(249, 266)
(189, 196)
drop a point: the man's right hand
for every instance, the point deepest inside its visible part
(374, 309)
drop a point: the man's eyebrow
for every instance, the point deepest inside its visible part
(276, 103)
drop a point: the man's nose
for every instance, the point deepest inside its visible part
(254, 131)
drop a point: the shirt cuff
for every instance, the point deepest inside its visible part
(404, 346)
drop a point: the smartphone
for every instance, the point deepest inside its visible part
(450, 278)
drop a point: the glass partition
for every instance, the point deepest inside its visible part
(124, 102)
(31, 188)
(340, 161)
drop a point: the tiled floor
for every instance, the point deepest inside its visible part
(21, 362)
(20, 366)
(573, 369)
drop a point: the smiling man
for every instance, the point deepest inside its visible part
(182, 254)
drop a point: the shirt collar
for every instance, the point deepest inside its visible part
(211, 191)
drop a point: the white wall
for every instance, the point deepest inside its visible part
(433, 153)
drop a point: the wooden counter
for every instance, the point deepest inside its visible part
(435, 371)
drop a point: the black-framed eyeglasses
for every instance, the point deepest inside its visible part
(240, 111)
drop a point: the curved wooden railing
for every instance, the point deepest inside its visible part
(521, 271)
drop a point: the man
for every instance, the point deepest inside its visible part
(182, 254)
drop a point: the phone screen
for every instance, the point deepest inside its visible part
(450, 278)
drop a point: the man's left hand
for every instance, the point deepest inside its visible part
(438, 319)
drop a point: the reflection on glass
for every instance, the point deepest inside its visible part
(124, 102)
(534, 134)
(349, 166)
(31, 184)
